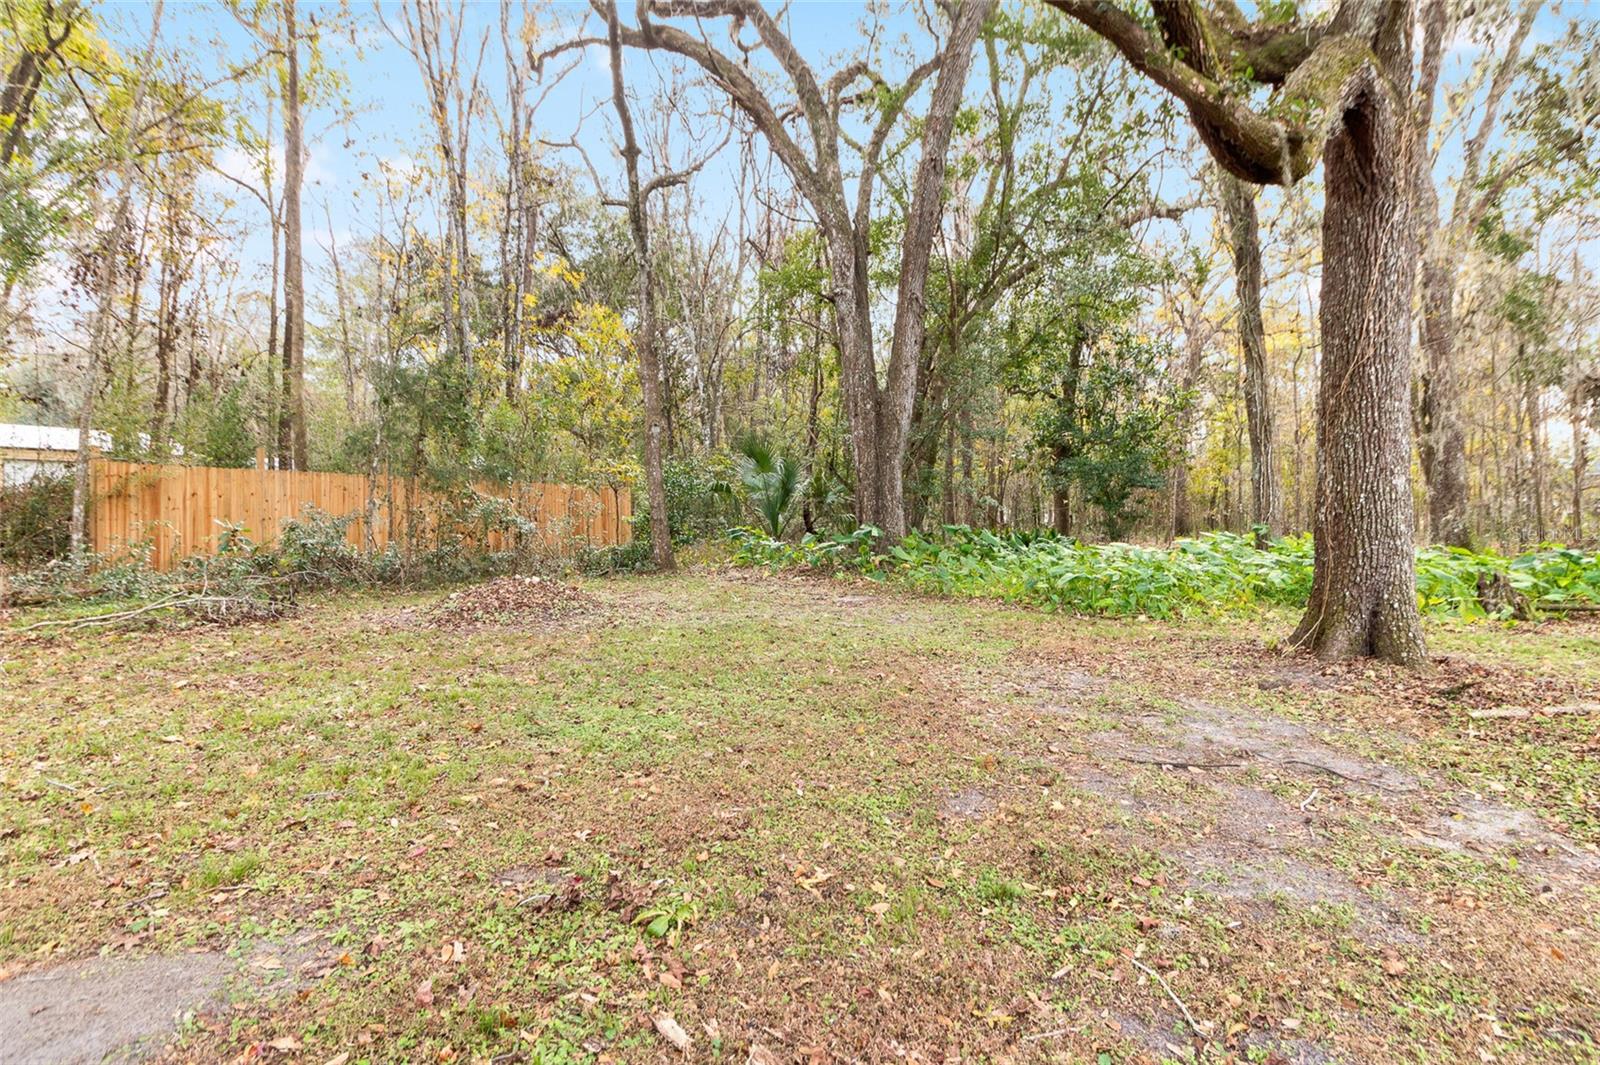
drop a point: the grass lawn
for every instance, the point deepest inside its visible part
(800, 820)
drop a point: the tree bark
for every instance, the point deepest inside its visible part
(294, 291)
(966, 495)
(1061, 494)
(1239, 205)
(274, 427)
(1363, 596)
(916, 247)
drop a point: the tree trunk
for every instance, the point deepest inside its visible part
(1239, 204)
(1444, 442)
(879, 417)
(1363, 595)
(1194, 351)
(916, 248)
(966, 496)
(294, 291)
(274, 416)
(645, 340)
(1061, 493)
(813, 423)
(106, 278)
(1530, 394)
(1061, 510)
(1443, 450)
(348, 360)
(858, 377)
(947, 505)
(1580, 454)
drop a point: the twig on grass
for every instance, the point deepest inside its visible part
(101, 619)
(1334, 772)
(1178, 764)
(1194, 1025)
(173, 603)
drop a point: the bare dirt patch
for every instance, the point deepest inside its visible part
(125, 1009)
(1476, 826)
(1209, 736)
(970, 804)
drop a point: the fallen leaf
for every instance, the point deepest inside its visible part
(672, 1031)
(760, 1055)
(285, 1043)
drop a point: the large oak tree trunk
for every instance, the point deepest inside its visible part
(1363, 596)
(1339, 86)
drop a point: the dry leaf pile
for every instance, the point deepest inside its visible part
(511, 601)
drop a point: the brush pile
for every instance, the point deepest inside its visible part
(524, 601)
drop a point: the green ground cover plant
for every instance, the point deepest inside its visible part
(1215, 572)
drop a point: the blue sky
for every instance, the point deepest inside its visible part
(384, 117)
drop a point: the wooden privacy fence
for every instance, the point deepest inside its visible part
(183, 510)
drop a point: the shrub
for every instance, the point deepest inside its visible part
(35, 520)
(701, 501)
(633, 557)
(315, 548)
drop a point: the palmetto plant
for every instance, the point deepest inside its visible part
(773, 482)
